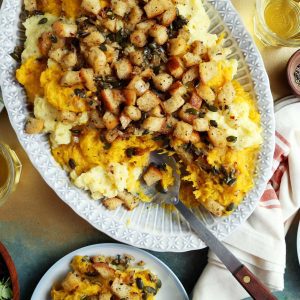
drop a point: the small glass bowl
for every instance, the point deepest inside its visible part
(14, 169)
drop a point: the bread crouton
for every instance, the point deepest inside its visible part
(201, 124)
(156, 7)
(95, 38)
(104, 270)
(183, 131)
(124, 120)
(120, 289)
(139, 85)
(206, 93)
(162, 81)
(177, 88)
(172, 104)
(34, 126)
(130, 96)
(156, 112)
(148, 101)
(130, 201)
(177, 46)
(195, 100)
(92, 6)
(217, 137)
(110, 120)
(123, 68)
(188, 113)
(138, 38)
(191, 59)
(64, 30)
(70, 78)
(168, 16)
(154, 124)
(226, 95)
(175, 66)
(119, 7)
(87, 76)
(215, 207)
(190, 75)
(159, 33)
(152, 175)
(208, 70)
(133, 112)
(110, 102)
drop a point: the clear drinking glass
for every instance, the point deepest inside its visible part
(277, 22)
(10, 171)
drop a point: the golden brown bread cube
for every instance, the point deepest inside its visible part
(154, 124)
(70, 78)
(87, 76)
(123, 68)
(147, 101)
(195, 100)
(71, 282)
(206, 93)
(173, 104)
(183, 131)
(177, 46)
(110, 120)
(34, 126)
(201, 124)
(162, 81)
(227, 94)
(130, 96)
(104, 270)
(92, 6)
(188, 113)
(133, 112)
(152, 175)
(175, 66)
(190, 75)
(124, 120)
(217, 137)
(130, 201)
(109, 101)
(208, 70)
(120, 289)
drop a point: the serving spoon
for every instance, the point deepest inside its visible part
(243, 275)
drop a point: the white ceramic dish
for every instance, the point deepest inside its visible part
(148, 226)
(171, 286)
(298, 243)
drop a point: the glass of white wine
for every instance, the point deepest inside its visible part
(277, 22)
(10, 171)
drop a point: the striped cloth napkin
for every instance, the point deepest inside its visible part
(260, 242)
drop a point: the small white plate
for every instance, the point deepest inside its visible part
(171, 286)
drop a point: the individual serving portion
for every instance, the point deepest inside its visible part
(111, 81)
(106, 277)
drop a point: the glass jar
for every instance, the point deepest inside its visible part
(10, 171)
(277, 22)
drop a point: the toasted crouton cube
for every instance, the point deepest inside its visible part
(201, 124)
(190, 75)
(138, 38)
(195, 137)
(57, 54)
(177, 46)
(208, 70)
(177, 88)
(120, 289)
(215, 207)
(65, 116)
(162, 81)
(139, 85)
(183, 131)
(173, 104)
(188, 113)
(69, 60)
(30, 5)
(191, 59)
(95, 38)
(133, 112)
(130, 201)
(44, 43)
(124, 120)
(34, 126)
(123, 68)
(156, 112)
(146, 25)
(109, 101)
(111, 135)
(206, 93)
(71, 78)
(71, 282)
(198, 48)
(195, 100)
(136, 57)
(130, 96)
(159, 33)
(175, 66)
(119, 7)
(227, 94)
(152, 175)
(96, 120)
(147, 101)
(87, 76)
(154, 8)
(154, 124)
(64, 30)
(96, 59)
(104, 270)
(92, 6)
(217, 137)
(168, 16)
(135, 16)
(110, 120)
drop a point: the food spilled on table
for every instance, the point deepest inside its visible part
(112, 81)
(105, 278)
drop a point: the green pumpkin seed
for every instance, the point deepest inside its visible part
(139, 283)
(213, 123)
(231, 139)
(42, 21)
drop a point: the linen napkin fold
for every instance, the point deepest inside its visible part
(260, 242)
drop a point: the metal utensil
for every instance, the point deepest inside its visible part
(243, 275)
